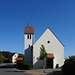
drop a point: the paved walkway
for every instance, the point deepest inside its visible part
(33, 72)
(47, 72)
(7, 69)
(40, 71)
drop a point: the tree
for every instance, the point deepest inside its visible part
(21, 56)
(0, 58)
(70, 60)
(69, 66)
(43, 55)
(3, 58)
(6, 55)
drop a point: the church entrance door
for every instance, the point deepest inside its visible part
(49, 62)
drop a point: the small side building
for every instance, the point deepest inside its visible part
(13, 57)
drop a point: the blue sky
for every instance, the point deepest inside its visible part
(58, 15)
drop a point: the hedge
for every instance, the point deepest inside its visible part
(68, 69)
(23, 66)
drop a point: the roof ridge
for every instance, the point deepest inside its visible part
(55, 36)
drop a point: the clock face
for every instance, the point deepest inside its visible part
(48, 42)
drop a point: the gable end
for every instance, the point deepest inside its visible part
(55, 36)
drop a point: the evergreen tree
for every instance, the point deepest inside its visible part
(43, 53)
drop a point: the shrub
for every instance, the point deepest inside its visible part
(57, 65)
(69, 66)
(68, 69)
(6, 60)
(70, 60)
(23, 66)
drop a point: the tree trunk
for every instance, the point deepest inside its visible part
(44, 66)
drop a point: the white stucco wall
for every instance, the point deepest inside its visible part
(14, 57)
(28, 58)
(28, 41)
(54, 47)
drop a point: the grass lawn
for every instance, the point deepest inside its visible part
(34, 68)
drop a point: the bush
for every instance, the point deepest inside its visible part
(70, 60)
(6, 60)
(57, 65)
(23, 66)
(0, 58)
(68, 69)
(69, 66)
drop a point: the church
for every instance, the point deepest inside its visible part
(53, 47)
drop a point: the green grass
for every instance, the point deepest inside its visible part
(58, 68)
(34, 68)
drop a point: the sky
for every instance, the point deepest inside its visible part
(58, 15)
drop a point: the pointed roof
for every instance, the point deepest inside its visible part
(29, 30)
(56, 36)
(53, 34)
(19, 58)
(13, 54)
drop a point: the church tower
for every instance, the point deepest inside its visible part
(29, 41)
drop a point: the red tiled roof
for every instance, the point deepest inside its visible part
(19, 58)
(50, 56)
(29, 29)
